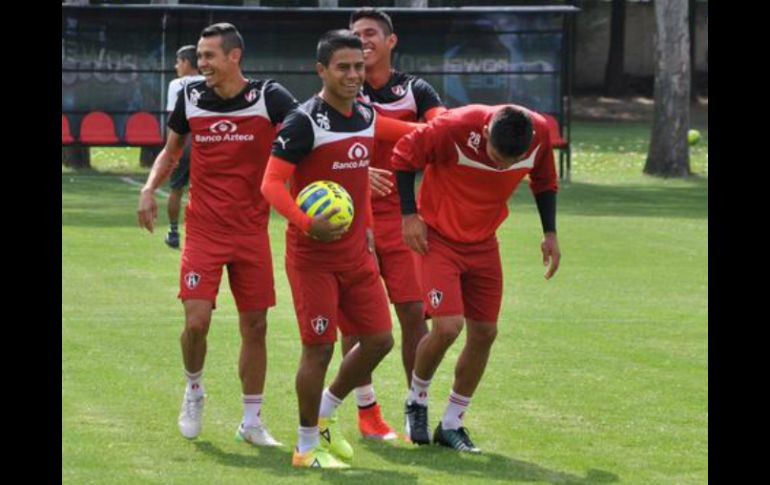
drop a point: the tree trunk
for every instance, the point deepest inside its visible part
(147, 156)
(76, 156)
(692, 17)
(614, 79)
(669, 153)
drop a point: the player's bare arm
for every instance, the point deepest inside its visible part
(164, 165)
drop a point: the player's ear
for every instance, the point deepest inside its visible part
(235, 55)
(485, 131)
(392, 41)
(319, 69)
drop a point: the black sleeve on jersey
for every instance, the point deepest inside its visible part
(178, 119)
(279, 102)
(546, 206)
(425, 97)
(295, 140)
(405, 181)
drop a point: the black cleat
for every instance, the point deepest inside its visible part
(417, 423)
(172, 239)
(457, 439)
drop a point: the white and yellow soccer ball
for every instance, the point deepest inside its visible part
(322, 196)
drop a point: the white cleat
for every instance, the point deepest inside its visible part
(256, 435)
(191, 417)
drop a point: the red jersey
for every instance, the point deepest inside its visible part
(328, 145)
(463, 195)
(403, 97)
(231, 140)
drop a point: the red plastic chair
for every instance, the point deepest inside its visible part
(66, 135)
(560, 144)
(142, 128)
(553, 129)
(97, 128)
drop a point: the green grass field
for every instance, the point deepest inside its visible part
(598, 376)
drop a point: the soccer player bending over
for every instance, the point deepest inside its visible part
(474, 158)
(331, 272)
(232, 121)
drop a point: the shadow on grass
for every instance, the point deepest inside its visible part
(487, 466)
(687, 201)
(278, 462)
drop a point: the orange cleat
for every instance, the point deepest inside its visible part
(373, 426)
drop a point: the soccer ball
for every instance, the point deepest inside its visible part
(321, 196)
(693, 137)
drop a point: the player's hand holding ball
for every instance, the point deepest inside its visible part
(331, 207)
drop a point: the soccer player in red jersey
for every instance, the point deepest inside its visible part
(232, 121)
(331, 272)
(473, 159)
(401, 96)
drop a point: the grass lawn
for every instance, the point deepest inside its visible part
(598, 376)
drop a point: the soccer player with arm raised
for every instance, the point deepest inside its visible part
(473, 159)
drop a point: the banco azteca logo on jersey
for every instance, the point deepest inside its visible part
(358, 151)
(358, 155)
(223, 126)
(223, 130)
(192, 279)
(319, 324)
(435, 297)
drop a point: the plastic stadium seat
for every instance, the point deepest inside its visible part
(66, 135)
(97, 128)
(142, 128)
(553, 129)
(561, 144)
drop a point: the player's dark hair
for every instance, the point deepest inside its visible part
(231, 38)
(334, 40)
(187, 53)
(375, 14)
(510, 132)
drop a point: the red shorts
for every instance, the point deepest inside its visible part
(320, 297)
(249, 268)
(462, 279)
(397, 262)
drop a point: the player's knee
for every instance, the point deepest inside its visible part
(410, 315)
(447, 331)
(197, 325)
(483, 334)
(317, 356)
(379, 344)
(385, 343)
(253, 325)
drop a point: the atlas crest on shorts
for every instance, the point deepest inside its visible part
(319, 324)
(435, 297)
(192, 279)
